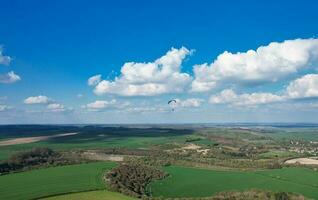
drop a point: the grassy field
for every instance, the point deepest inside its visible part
(92, 195)
(89, 137)
(307, 134)
(92, 137)
(52, 181)
(191, 182)
(124, 142)
(277, 153)
(182, 182)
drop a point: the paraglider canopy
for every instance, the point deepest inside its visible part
(172, 103)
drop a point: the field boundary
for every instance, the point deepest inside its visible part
(65, 193)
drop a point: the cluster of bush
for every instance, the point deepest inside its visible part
(37, 157)
(193, 139)
(130, 152)
(246, 195)
(256, 195)
(193, 158)
(132, 179)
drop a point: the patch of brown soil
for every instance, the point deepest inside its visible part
(26, 140)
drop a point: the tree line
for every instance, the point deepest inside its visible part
(34, 158)
(252, 194)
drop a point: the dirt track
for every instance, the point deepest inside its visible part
(26, 140)
(303, 161)
(95, 155)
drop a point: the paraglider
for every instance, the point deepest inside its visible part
(172, 103)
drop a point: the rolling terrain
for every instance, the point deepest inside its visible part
(218, 159)
(184, 182)
(53, 181)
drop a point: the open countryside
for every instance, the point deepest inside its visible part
(219, 159)
(51, 181)
(158, 100)
(185, 182)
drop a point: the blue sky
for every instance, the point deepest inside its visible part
(56, 46)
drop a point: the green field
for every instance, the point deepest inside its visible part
(52, 181)
(120, 142)
(84, 181)
(307, 134)
(89, 138)
(191, 182)
(277, 153)
(92, 195)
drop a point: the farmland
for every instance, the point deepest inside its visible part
(184, 182)
(174, 159)
(52, 181)
(96, 195)
(90, 137)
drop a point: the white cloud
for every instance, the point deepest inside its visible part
(37, 100)
(101, 105)
(2, 98)
(4, 60)
(228, 96)
(56, 107)
(148, 79)
(145, 109)
(10, 77)
(163, 107)
(191, 102)
(4, 108)
(304, 87)
(94, 80)
(267, 64)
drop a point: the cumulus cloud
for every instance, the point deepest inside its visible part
(2, 98)
(37, 100)
(146, 109)
(10, 77)
(4, 60)
(148, 79)
(56, 107)
(4, 108)
(191, 102)
(94, 80)
(265, 64)
(102, 105)
(301, 88)
(304, 87)
(228, 96)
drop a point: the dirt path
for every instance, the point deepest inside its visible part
(95, 155)
(26, 140)
(191, 147)
(303, 161)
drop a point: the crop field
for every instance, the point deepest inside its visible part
(307, 134)
(191, 182)
(126, 142)
(94, 195)
(116, 142)
(200, 162)
(52, 181)
(277, 153)
(88, 138)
